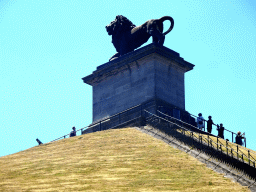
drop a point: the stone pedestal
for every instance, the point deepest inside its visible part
(151, 72)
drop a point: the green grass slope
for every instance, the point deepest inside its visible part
(113, 160)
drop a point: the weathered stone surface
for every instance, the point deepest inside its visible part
(147, 73)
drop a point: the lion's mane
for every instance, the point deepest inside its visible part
(126, 36)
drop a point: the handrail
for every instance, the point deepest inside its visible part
(189, 130)
(197, 128)
(105, 119)
(137, 106)
(215, 125)
(217, 165)
(64, 136)
(176, 119)
(100, 121)
(179, 120)
(248, 157)
(199, 134)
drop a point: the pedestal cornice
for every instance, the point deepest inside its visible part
(124, 61)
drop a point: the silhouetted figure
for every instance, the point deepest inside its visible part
(73, 133)
(39, 142)
(126, 36)
(239, 138)
(220, 130)
(209, 124)
(200, 121)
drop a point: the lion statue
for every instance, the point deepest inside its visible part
(126, 36)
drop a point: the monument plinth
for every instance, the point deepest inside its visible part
(151, 72)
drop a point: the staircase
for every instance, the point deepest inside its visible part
(221, 155)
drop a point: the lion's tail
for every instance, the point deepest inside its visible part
(162, 19)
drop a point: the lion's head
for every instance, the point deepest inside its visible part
(120, 24)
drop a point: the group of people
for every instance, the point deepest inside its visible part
(201, 125)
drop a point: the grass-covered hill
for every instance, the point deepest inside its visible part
(113, 160)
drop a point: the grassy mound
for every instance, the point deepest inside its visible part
(113, 160)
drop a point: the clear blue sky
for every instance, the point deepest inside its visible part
(46, 47)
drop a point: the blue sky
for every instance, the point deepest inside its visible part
(46, 47)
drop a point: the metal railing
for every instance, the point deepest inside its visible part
(219, 145)
(67, 135)
(139, 111)
(170, 139)
(136, 112)
(116, 120)
(232, 133)
(229, 136)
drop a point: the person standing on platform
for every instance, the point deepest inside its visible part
(209, 124)
(239, 138)
(73, 133)
(200, 121)
(220, 130)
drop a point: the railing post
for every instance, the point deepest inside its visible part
(232, 137)
(81, 131)
(100, 125)
(64, 136)
(217, 143)
(227, 146)
(249, 156)
(237, 152)
(192, 138)
(201, 141)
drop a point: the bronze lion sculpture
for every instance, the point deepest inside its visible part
(126, 36)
